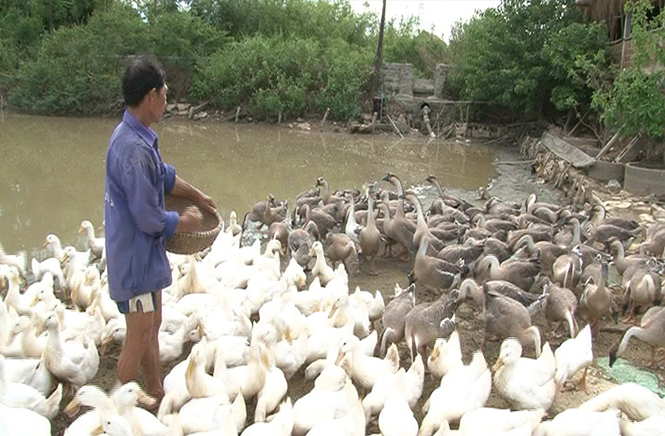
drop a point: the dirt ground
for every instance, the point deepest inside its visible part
(514, 183)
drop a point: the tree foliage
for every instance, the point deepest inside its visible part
(524, 54)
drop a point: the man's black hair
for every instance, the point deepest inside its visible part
(141, 75)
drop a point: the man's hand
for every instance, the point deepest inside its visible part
(190, 220)
(207, 203)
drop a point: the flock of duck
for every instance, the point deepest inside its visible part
(258, 322)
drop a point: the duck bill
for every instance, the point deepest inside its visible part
(497, 365)
(73, 408)
(97, 431)
(105, 344)
(333, 311)
(340, 356)
(146, 399)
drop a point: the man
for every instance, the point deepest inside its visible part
(137, 223)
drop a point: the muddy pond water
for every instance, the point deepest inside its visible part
(52, 168)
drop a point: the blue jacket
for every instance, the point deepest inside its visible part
(136, 222)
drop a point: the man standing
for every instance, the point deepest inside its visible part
(137, 222)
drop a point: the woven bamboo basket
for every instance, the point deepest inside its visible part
(190, 243)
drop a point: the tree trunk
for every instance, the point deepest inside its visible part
(379, 53)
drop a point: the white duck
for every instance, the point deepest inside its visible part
(396, 418)
(464, 389)
(281, 423)
(573, 422)
(652, 426)
(525, 383)
(207, 414)
(18, 261)
(367, 370)
(25, 396)
(54, 247)
(14, 300)
(409, 384)
(199, 383)
(636, 402)
(321, 269)
(31, 372)
(141, 421)
(446, 355)
(69, 361)
(23, 421)
(247, 379)
(499, 422)
(274, 389)
(573, 355)
(96, 245)
(333, 396)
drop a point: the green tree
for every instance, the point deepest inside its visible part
(523, 55)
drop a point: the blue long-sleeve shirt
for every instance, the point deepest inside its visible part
(135, 219)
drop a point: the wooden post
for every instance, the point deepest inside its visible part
(279, 117)
(2, 108)
(237, 113)
(325, 116)
(374, 115)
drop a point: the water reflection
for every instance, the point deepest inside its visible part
(52, 169)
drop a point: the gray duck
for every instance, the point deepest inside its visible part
(394, 316)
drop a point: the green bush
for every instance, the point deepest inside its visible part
(77, 69)
(287, 75)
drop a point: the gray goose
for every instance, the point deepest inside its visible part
(643, 289)
(433, 273)
(394, 316)
(623, 262)
(398, 228)
(547, 250)
(605, 232)
(560, 306)
(339, 249)
(258, 211)
(651, 331)
(596, 300)
(451, 200)
(300, 242)
(470, 252)
(469, 289)
(369, 238)
(519, 272)
(428, 321)
(505, 317)
(423, 230)
(280, 230)
(324, 222)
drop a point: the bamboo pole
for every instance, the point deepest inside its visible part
(609, 145)
(394, 126)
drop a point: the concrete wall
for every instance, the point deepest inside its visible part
(398, 80)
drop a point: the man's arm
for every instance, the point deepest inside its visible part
(183, 189)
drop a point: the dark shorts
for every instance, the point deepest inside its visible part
(143, 303)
